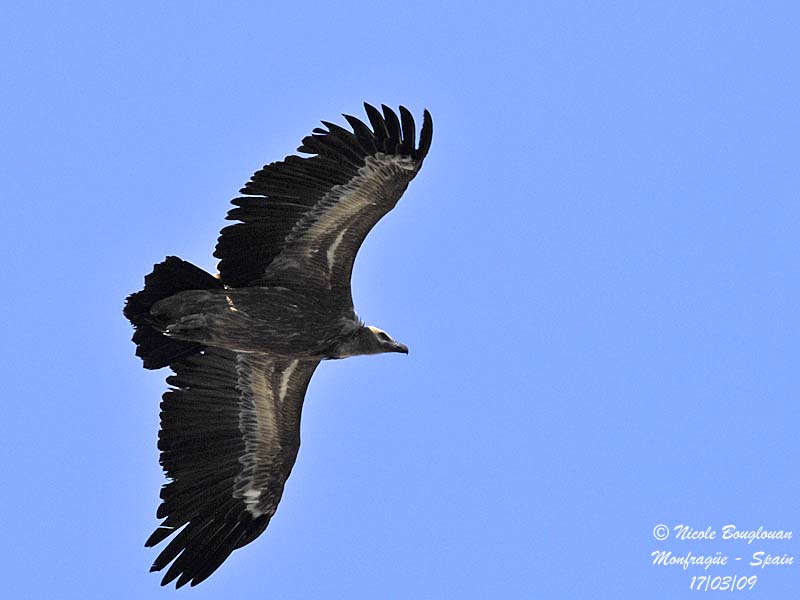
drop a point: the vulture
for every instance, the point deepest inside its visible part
(243, 344)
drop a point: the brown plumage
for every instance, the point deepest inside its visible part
(243, 347)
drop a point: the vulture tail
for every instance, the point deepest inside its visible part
(169, 277)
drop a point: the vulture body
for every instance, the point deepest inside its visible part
(243, 345)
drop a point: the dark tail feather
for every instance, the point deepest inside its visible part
(169, 277)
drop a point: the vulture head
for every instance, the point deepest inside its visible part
(368, 340)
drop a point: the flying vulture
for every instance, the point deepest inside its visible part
(244, 344)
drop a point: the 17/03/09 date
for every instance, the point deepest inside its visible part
(722, 583)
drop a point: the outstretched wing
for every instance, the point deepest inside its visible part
(303, 220)
(230, 431)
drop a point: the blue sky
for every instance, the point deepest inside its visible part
(596, 272)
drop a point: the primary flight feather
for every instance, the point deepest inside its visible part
(244, 345)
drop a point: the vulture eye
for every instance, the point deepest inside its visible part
(383, 336)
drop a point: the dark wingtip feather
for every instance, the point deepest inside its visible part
(378, 125)
(359, 127)
(363, 134)
(158, 536)
(425, 136)
(393, 127)
(409, 130)
(185, 578)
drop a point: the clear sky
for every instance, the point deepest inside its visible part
(596, 272)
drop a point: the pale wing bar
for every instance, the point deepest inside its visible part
(321, 248)
(272, 392)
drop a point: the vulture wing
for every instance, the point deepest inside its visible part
(302, 220)
(230, 432)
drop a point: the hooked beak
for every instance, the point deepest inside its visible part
(398, 347)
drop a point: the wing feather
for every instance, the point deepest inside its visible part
(230, 431)
(378, 126)
(409, 130)
(393, 128)
(302, 220)
(364, 135)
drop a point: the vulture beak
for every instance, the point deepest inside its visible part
(398, 347)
